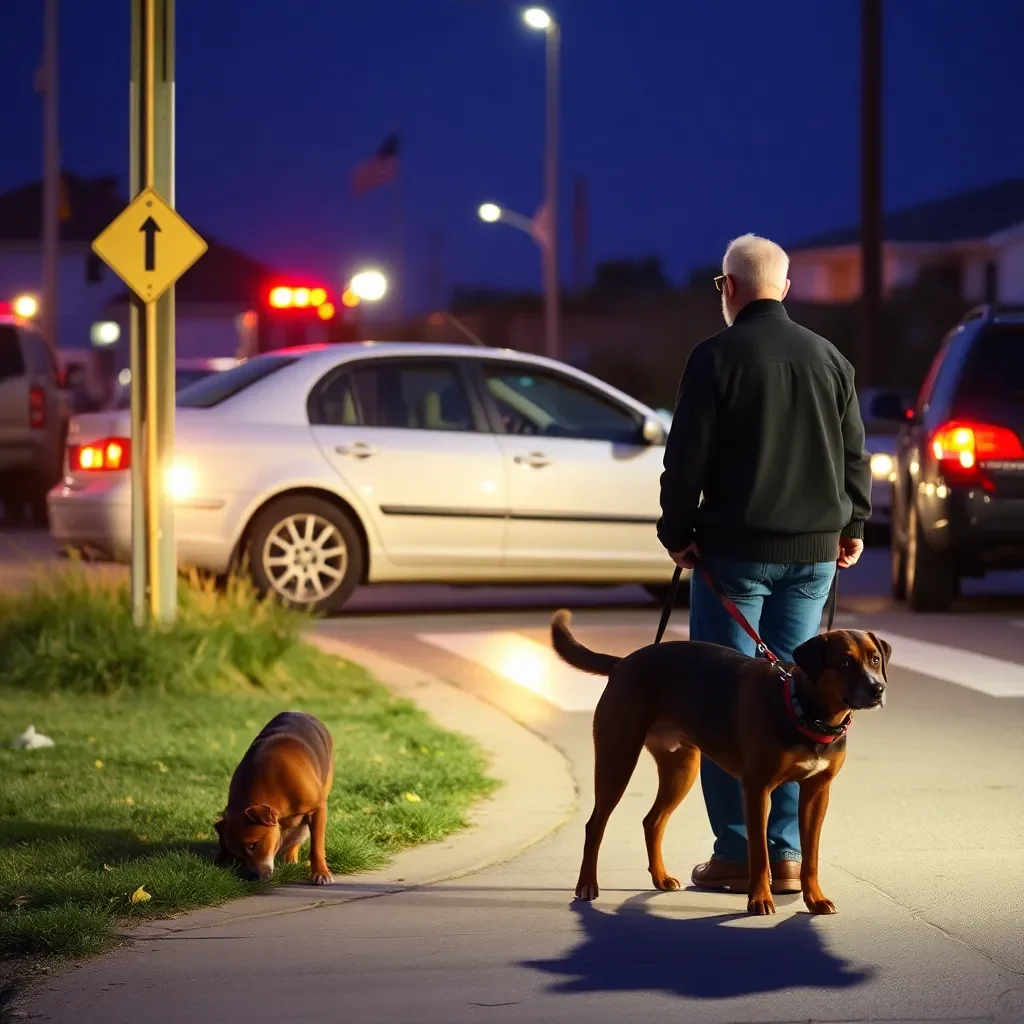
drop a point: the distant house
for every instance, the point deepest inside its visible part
(222, 285)
(975, 240)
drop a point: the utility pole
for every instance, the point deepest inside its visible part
(871, 217)
(51, 174)
(580, 231)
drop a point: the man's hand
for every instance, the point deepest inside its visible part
(849, 551)
(688, 557)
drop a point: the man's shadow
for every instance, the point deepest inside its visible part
(631, 949)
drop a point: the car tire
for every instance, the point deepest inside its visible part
(307, 552)
(931, 580)
(659, 591)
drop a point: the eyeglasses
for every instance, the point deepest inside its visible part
(720, 281)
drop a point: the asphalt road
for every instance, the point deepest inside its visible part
(923, 853)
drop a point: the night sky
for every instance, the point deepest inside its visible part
(692, 122)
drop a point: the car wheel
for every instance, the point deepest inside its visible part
(659, 591)
(931, 581)
(306, 552)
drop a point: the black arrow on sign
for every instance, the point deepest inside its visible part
(150, 229)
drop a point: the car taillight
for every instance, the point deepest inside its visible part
(962, 447)
(36, 407)
(112, 453)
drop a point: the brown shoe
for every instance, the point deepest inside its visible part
(785, 877)
(733, 876)
(720, 874)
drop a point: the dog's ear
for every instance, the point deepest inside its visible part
(885, 649)
(810, 656)
(261, 814)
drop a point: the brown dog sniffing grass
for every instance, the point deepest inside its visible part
(764, 724)
(278, 799)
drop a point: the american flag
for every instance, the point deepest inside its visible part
(380, 169)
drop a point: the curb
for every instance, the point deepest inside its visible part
(537, 796)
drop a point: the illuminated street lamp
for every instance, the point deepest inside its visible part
(492, 213)
(541, 20)
(369, 285)
(25, 306)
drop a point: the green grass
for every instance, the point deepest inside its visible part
(149, 726)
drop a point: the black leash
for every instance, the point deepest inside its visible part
(673, 591)
(670, 603)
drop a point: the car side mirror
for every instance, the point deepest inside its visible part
(653, 431)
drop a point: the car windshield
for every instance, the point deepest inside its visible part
(182, 379)
(219, 387)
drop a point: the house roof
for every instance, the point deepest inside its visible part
(967, 215)
(222, 275)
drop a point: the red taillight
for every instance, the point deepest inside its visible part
(963, 446)
(36, 407)
(110, 454)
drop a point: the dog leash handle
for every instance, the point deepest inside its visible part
(670, 603)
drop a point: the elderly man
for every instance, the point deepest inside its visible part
(767, 429)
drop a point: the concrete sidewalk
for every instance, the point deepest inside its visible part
(922, 854)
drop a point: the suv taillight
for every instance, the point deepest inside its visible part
(112, 453)
(36, 406)
(961, 447)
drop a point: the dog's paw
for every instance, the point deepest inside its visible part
(667, 883)
(587, 891)
(820, 906)
(760, 904)
(322, 877)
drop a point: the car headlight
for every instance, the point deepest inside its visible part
(883, 467)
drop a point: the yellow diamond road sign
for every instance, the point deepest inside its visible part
(149, 246)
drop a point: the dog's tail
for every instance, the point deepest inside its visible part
(569, 649)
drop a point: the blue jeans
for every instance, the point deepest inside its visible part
(784, 604)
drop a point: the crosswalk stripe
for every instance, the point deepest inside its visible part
(978, 672)
(535, 667)
(525, 662)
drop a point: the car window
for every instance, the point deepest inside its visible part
(219, 387)
(12, 362)
(535, 402)
(399, 394)
(994, 371)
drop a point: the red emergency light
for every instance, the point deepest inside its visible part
(290, 296)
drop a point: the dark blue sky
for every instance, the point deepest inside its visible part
(692, 122)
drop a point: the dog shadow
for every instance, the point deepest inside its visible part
(632, 949)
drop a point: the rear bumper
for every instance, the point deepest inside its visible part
(979, 530)
(98, 517)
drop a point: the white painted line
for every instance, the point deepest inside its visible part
(526, 663)
(978, 672)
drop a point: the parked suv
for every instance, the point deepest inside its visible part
(958, 493)
(31, 420)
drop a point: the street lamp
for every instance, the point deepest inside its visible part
(540, 20)
(491, 213)
(369, 285)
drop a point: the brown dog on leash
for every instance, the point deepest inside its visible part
(764, 724)
(278, 798)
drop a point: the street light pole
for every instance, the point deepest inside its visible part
(551, 188)
(542, 20)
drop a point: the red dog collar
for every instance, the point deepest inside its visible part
(819, 732)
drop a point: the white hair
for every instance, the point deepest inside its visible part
(756, 263)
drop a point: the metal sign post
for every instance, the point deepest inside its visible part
(149, 246)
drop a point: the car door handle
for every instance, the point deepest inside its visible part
(358, 449)
(538, 460)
